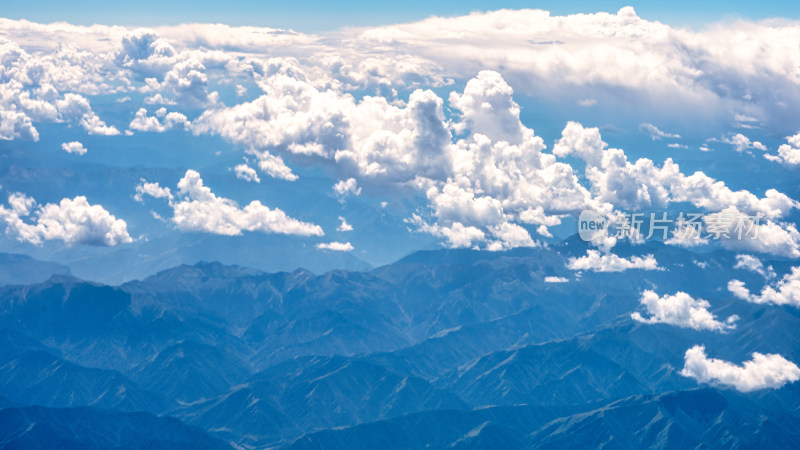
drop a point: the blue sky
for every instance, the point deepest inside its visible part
(316, 16)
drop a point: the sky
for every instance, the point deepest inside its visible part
(129, 149)
(321, 16)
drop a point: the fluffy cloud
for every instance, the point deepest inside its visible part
(788, 154)
(343, 188)
(681, 310)
(596, 261)
(742, 143)
(785, 292)
(73, 221)
(160, 122)
(246, 173)
(151, 189)
(753, 264)
(761, 372)
(738, 231)
(335, 246)
(643, 185)
(343, 225)
(73, 147)
(74, 108)
(196, 208)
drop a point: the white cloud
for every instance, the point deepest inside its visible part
(74, 108)
(343, 188)
(152, 189)
(343, 225)
(587, 102)
(274, 166)
(681, 310)
(17, 125)
(770, 371)
(643, 185)
(247, 173)
(158, 123)
(742, 143)
(73, 221)
(609, 262)
(335, 246)
(785, 292)
(74, 147)
(656, 134)
(742, 232)
(753, 264)
(554, 279)
(199, 209)
(788, 154)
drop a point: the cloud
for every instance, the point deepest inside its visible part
(742, 143)
(343, 225)
(587, 102)
(247, 173)
(335, 246)
(738, 231)
(609, 262)
(656, 134)
(74, 108)
(74, 147)
(644, 185)
(753, 264)
(198, 209)
(681, 310)
(343, 188)
(151, 189)
(770, 371)
(274, 166)
(788, 154)
(553, 279)
(17, 125)
(785, 292)
(160, 122)
(73, 221)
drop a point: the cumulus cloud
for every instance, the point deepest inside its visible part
(742, 143)
(343, 188)
(770, 371)
(73, 147)
(643, 185)
(343, 225)
(74, 108)
(789, 153)
(73, 221)
(656, 134)
(246, 173)
(596, 261)
(681, 310)
(753, 264)
(160, 122)
(197, 208)
(335, 246)
(785, 292)
(738, 231)
(151, 189)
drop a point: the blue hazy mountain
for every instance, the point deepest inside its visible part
(22, 269)
(36, 427)
(441, 349)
